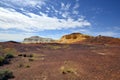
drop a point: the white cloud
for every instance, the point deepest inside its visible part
(65, 14)
(23, 3)
(75, 12)
(65, 7)
(76, 6)
(9, 18)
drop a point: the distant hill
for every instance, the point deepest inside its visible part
(82, 38)
(103, 40)
(74, 37)
(37, 39)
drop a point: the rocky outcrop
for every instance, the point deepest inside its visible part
(74, 37)
(37, 39)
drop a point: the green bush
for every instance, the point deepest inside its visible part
(1, 60)
(6, 74)
(9, 55)
(26, 55)
(5, 59)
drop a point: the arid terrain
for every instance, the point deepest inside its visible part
(53, 61)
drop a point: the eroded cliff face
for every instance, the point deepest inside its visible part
(74, 37)
(37, 39)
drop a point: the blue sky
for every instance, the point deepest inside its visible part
(54, 18)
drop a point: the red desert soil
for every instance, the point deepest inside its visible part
(64, 61)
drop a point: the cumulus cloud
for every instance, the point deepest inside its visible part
(9, 18)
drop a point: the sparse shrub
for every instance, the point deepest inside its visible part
(9, 55)
(4, 60)
(1, 60)
(6, 74)
(31, 59)
(24, 55)
(31, 55)
(27, 66)
(69, 68)
(20, 54)
(66, 70)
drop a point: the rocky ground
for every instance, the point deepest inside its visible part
(64, 61)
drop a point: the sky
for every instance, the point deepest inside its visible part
(54, 18)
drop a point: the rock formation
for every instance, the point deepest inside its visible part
(74, 37)
(37, 39)
(86, 39)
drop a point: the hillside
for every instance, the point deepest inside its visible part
(103, 40)
(72, 38)
(77, 38)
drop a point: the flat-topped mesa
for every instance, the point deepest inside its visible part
(74, 37)
(37, 39)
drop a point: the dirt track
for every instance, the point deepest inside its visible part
(65, 62)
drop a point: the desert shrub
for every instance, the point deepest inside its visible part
(5, 59)
(20, 54)
(26, 55)
(66, 70)
(31, 59)
(27, 66)
(6, 74)
(69, 68)
(1, 60)
(31, 55)
(9, 55)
